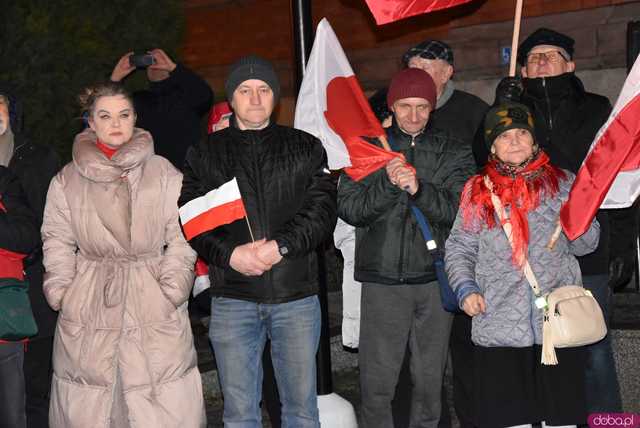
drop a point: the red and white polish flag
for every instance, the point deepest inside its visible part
(218, 207)
(610, 174)
(332, 107)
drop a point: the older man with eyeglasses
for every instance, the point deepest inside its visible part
(567, 118)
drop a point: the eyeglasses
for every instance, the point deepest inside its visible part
(551, 56)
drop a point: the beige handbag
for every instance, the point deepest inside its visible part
(572, 317)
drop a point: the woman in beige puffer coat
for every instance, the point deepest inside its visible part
(119, 271)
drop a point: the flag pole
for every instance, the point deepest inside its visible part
(514, 40)
(385, 143)
(246, 217)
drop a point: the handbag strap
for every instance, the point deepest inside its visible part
(506, 226)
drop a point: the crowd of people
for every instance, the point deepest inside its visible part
(111, 273)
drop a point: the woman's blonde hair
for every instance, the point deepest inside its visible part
(90, 95)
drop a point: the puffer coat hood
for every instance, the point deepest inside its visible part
(119, 271)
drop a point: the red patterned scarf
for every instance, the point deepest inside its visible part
(519, 188)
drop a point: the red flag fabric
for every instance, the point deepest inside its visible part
(386, 11)
(350, 116)
(348, 111)
(332, 106)
(610, 174)
(218, 207)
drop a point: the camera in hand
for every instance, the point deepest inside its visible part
(141, 60)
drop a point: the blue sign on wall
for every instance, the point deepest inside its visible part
(505, 54)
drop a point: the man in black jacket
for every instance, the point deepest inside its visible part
(460, 114)
(567, 118)
(400, 295)
(173, 106)
(267, 287)
(34, 166)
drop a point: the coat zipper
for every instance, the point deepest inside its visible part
(405, 219)
(261, 208)
(548, 101)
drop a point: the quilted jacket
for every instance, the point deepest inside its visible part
(120, 273)
(478, 259)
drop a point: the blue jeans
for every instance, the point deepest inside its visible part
(602, 389)
(238, 331)
(12, 392)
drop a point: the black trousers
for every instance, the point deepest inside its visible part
(37, 375)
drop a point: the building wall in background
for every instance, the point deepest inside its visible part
(220, 31)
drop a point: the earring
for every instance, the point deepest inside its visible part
(493, 150)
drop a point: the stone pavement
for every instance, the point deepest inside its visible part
(625, 333)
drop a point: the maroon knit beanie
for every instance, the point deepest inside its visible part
(410, 83)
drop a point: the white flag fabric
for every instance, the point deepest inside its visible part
(326, 62)
(222, 205)
(626, 186)
(610, 174)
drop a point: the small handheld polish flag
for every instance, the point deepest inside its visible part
(218, 207)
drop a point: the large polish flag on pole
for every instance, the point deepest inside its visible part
(332, 106)
(610, 174)
(218, 207)
(386, 11)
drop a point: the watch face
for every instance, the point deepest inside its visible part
(283, 250)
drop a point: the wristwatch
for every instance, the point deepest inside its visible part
(282, 248)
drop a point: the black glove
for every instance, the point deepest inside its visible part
(509, 90)
(620, 271)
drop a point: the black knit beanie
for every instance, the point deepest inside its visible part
(504, 117)
(251, 67)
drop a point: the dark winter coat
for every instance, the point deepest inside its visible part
(567, 119)
(461, 114)
(172, 110)
(34, 165)
(19, 228)
(390, 248)
(289, 196)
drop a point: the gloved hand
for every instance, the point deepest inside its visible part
(508, 90)
(620, 272)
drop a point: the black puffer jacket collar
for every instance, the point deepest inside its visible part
(244, 135)
(564, 85)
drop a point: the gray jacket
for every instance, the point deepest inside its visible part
(479, 260)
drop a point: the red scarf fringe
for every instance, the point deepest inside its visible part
(519, 193)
